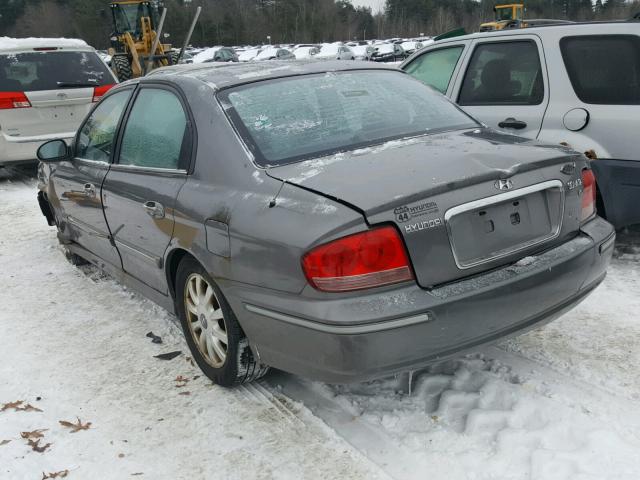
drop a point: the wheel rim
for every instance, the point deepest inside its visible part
(205, 320)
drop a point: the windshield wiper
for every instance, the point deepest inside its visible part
(76, 84)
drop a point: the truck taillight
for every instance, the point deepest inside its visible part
(13, 100)
(364, 260)
(98, 92)
(588, 194)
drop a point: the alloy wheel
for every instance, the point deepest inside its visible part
(206, 320)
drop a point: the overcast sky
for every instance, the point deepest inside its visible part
(374, 4)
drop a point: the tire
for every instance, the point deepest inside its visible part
(174, 57)
(209, 320)
(121, 67)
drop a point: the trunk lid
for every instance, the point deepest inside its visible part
(464, 202)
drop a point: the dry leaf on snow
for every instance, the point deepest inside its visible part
(35, 434)
(75, 427)
(181, 381)
(60, 474)
(19, 406)
(36, 447)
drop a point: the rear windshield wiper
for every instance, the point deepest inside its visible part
(77, 84)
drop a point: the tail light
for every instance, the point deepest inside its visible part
(98, 92)
(13, 100)
(588, 194)
(364, 260)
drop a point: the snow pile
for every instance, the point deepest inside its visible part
(8, 43)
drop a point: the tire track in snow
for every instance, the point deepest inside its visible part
(490, 415)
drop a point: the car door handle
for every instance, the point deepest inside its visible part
(512, 123)
(154, 209)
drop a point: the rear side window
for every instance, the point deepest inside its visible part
(604, 69)
(503, 73)
(436, 68)
(155, 131)
(289, 119)
(51, 70)
(95, 141)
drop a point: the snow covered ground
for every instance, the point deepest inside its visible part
(562, 402)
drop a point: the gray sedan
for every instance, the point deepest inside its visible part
(338, 221)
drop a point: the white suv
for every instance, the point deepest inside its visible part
(573, 83)
(47, 87)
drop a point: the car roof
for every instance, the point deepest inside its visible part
(8, 44)
(225, 75)
(574, 27)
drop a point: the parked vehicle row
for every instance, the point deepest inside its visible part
(381, 51)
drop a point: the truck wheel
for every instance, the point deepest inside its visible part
(215, 338)
(174, 57)
(121, 67)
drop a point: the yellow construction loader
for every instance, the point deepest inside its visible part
(135, 42)
(506, 16)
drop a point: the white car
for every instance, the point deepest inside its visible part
(249, 54)
(305, 52)
(274, 53)
(206, 55)
(576, 84)
(362, 52)
(47, 87)
(411, 46)
(335, 51)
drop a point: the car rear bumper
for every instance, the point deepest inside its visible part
(365, 336)
(15, 150)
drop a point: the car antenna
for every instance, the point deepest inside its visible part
(272, 203)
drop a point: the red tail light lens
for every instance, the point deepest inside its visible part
(98, 92)
(588, 194)
(369, 259)
(13, 100)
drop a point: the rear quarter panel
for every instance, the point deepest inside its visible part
(269, 225)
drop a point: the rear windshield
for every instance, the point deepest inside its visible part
(290, 119)
(28, 72)
(604, 69)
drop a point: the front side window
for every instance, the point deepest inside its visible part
(286, 120)
(95, 141)
(503, 73)
(435, 68)
(51, 70)
(604, 69)
(155, 131)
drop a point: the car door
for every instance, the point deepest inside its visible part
(140, 190)
(598, 108)
(505, 84)
(437, 66)
(77, 183)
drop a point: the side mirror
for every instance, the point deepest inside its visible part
(53, 151)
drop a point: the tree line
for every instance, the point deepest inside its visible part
(240, 22)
